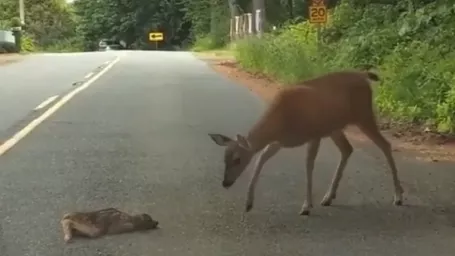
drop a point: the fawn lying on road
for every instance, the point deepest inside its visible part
(315, 109)
(105, 221)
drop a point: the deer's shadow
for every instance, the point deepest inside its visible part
(364, 218)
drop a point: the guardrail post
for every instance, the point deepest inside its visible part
(17, 32)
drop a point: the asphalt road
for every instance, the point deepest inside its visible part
(25, 84)
(137, 139)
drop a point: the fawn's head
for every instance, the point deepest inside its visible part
(237, 156)
(145, 221)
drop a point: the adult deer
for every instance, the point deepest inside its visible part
(317, 108)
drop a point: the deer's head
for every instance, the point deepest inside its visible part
(145, 221)
(237, 156)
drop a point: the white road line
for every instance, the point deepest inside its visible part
(107, 62)
(33, 124)
(46, 102)
(88, 75)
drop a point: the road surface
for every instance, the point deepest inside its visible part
(40, 79)
(136, 139)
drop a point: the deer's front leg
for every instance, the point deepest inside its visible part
(313, 149)
(269, 151)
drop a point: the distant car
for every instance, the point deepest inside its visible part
(108, 44)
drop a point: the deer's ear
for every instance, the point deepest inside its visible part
(243, 142)
(220, 139)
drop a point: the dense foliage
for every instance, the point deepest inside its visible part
(131, 21)
(57, 25)
(49, 23)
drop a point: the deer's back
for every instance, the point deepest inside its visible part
(319, 106)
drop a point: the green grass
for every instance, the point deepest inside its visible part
(222, 52)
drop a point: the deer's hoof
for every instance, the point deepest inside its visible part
(327, 200)
(398, 202)
(67, 239)
(248, 207)
(304, 212)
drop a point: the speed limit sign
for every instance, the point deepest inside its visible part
(318, 14)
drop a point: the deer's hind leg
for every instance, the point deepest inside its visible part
(83, 229)
(345, 148)
(371, 130)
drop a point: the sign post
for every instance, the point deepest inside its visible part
(156, 37)
(318, 15)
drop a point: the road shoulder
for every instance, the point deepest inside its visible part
(6, 59)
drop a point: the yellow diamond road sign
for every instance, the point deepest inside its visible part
(156, 36)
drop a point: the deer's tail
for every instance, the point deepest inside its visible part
(366, 70)
(372, 76)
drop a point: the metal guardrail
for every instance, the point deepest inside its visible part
(7, 42)
(7, 37)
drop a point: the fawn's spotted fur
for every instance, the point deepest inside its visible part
(105, 221)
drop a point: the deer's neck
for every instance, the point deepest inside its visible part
(137, 221)
(262, 133)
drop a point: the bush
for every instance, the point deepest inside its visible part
(74, 44)
(417, 78)
(27, 43)
(215, 39)
(290, 56)
(205, 43)
(412, 48)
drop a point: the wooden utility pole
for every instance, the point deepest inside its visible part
(21, 12)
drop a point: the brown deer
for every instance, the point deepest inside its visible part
(315, 109)
(105, 221)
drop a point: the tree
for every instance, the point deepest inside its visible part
(130, 21)
(47, 21)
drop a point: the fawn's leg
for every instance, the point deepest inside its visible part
(346, 149)
(67, 232)
(87, 230)
(371, 130)
(313, 148)
(268, 152)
